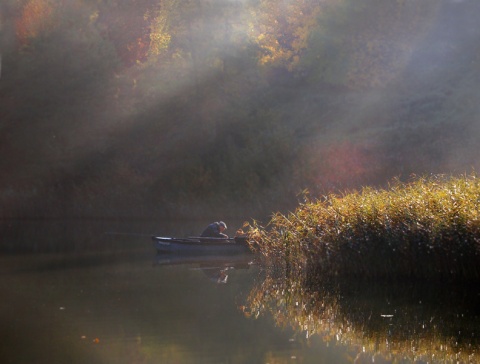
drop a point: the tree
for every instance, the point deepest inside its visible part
(366, 44)
(281, 29)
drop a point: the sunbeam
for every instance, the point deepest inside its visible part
(177, 99)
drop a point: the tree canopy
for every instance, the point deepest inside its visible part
(144, 107)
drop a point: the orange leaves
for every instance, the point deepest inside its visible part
(37, 17)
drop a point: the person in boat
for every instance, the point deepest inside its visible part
(215, 230)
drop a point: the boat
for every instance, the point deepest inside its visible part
(201, 245)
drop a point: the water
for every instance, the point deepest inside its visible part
(73, 294)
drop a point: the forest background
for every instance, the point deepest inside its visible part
(171, 108)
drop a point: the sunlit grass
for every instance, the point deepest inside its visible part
(428, 228)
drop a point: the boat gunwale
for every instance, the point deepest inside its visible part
(196, 246)
(201, 242)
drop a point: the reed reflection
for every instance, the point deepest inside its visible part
(379, 321)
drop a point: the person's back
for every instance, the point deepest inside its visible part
(215, 230)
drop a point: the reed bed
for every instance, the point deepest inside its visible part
(428, 228)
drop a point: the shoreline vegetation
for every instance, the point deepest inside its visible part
(424, 229)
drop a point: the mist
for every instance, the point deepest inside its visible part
(170, 109)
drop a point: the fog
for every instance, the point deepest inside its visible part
(168, 108)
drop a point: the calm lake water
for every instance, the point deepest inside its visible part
(97, 292)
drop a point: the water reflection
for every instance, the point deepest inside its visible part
(214, 262)
(76, 295)
(379, 321)
(215, 267)
(117, 308)
(112, 299)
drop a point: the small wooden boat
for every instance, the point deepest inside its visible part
(201, 245)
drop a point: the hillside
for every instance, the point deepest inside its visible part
(151, 108)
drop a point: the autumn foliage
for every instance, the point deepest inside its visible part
(427, 229)
(172, 107)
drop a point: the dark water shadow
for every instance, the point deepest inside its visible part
(85, 261)
(403, 321)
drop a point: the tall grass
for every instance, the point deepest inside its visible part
(428, 228)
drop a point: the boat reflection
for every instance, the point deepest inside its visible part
(380, 322)
(215, 267)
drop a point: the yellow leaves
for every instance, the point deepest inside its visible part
(159, 42)
(282, 31)
(159, 20)
(159, 35)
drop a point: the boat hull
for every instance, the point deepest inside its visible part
(200, 246)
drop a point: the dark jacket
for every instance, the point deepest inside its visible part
(213, 231)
